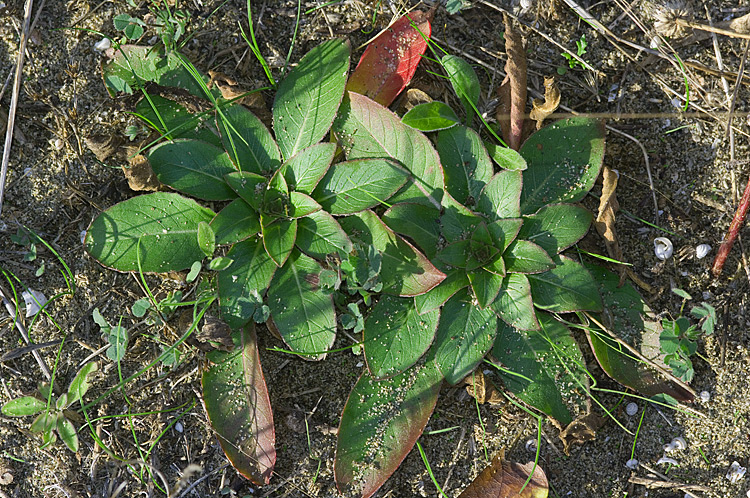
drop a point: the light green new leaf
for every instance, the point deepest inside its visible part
(396, 336)
(556, 227)
(416, 221)
(247, 140)
(302, 205)
(81, 383)
(505, 157)
(279, 236)
(485, 285)
(23, 406)
(455, 280)
(319, 235)
(523, 256)
(302, 312)
(304, 170)
(431, 116)
(236, 222)
(166, 225)
(465, 334)
(514, 304)
(68, 433)
(206, 239)
(464, 80)
(565, 288)
(465, 161)
(243, 284)
(193, 167)
(352, 186)
(307, 99)
(500, 198)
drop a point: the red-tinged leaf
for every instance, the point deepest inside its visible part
(381, 422)
(238, 408)
(502, 479)
(390, 60)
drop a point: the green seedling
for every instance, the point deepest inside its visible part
(53, 414)
(572, 61)
(117, 337)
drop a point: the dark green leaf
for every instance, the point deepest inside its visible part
(567, 287)
(302, 205)
(500, 197)
(304, 170)
(506, 157)
(275, 198)
(467, 166)
(523, 256)
(236, 222)
(456, 254)
(514, 304)
(278, 238)
(307, 99)
(457, 221)
(173, 120)
(464, 80)
(556, 227)
(251, 187)
(247, 140)
(419, 222)
(564, 160)
(239, 410)
(485, 285)
(68, 433)
(302, 312)
(431, 116)
(165, 224)
(319, 235)
(455, 280)
(206, 239)
(504, 231)
(380, 424)
(396, 336)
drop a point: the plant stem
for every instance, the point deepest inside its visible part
(732, 233)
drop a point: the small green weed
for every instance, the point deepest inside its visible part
(572, 61)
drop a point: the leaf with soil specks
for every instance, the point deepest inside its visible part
(239, 410)
(503, 479)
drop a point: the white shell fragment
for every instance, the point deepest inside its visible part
(670, 461)
(34, 301)
(705, 396)
(103, 44)
(663, 248)
(702, 251)
(632, 464)
(735, 472)
(631, 409)
(531, 445)
(677, 444)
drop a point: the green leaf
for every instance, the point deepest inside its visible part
(118, 339)
(302, 205)
(514, 305)
(564, 160)
(173, 120)
(464, 80)
(419, 222)
(243, 284)
(467, 166)
(251, 187)
(456, 254)
(485, 285)
(548, 369)
(431, 116)
(505, 157)
(68, 433)
(380, 424)
(465, 334)
(501, 196)
(457, 221)
(44, 422)
(275, 198)
(206, 239)
(302, 312)
(307, 99)
(707, 313)
(304, 170)
(279, 236)
(131, 27)
(683, 294)
(523, 256)
(193, 167)
(166, 225)
(247, 141)
(236, 222)
(396, 336)
(405, 271)
(433, 299)
(239, 410)
(366, 129)
(319, 235)
(23, 406)
(81, 383)
(556, 227)
(504, 231)
(567, 287)
(220, 263)
(352, 186)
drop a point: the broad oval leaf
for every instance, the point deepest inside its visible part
(366, 129)
(319, 235)
(464, 81)
(405, 271)
(467, 166)
(304, 170)
(556, 227)
(566, 287)
(418, 222)
(68, 433)
(23, 406)
(380, 424)
(505, 157)
(279, 236)
(547, 368)
(193, 167)
(396, 335)
(244, 283)
(564, 160)
(251, 187)
(236, 222)
(523, 256)
(161, 227)
(302, 312)
(465, 334)
(486, 285)
(500, 198)
(430, 116)
(514, 305)
(247, 140)
(302, 205)
(455, 280)
(352, 186)
(307, 99)
(239, 410)
(390, 60)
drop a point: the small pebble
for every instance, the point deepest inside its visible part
(631, 409)
(103, 44)
(705, 396)
(178, 427)
(34, 301)
(702, 251)
(632, 464)
(663, 248)
(736, 472)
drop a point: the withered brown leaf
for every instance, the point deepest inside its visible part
(503, 479)
(512, 91)
(542, 109)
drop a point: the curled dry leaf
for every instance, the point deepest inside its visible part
(216, 334)
(605, 218)
(542, 109)
(502, 479)
(512, 91)
(230, 90)
(411, 98)
(139, 174)
(580, 430)
(483, 391)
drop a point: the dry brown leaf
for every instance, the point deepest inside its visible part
(411, 98)
(542, 109)
(502, 479)
(139, 174)
(216, 333)
(512, 91)
(580, 430)
(605, 219)
(230, 90)
(103, 146)
(481, 390)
